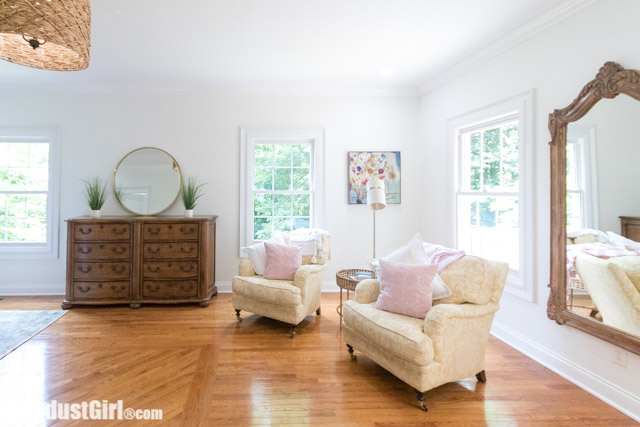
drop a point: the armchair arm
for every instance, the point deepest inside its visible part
(305, 272)
(308, 279)
(367, 291)
(245, 268)
(459, 328)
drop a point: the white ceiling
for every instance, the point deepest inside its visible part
(200, 45)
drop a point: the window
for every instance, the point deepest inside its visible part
(28, 193)
(281, 180)
(582, 196)
(493, 189)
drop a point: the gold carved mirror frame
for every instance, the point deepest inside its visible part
(611, 81)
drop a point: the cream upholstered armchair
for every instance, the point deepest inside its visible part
(448, 345)
(284, 300)
(614, 287)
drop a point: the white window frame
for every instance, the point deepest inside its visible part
(519, 283)
(584, 139)
(49, 249)
(252, 135)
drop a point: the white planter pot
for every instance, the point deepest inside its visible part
(188, 213)
(96, 213)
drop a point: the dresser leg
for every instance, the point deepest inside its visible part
(204, 304)
(134, 305)
(65, 306)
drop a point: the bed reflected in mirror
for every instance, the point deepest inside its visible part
(603, 214)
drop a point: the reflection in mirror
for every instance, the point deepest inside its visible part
(603, 214)
(147, 181)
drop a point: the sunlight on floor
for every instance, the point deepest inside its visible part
(22, 395)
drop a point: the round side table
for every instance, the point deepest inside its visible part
(345, 281)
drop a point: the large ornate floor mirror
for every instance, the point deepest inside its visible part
(595, 209)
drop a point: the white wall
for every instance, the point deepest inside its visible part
(556, 63)
(616, 129)
(202, 133)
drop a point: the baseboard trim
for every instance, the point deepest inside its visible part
(31, 290)
(604, 390)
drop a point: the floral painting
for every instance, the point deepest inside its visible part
(364, 165)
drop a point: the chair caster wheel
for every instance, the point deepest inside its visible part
(353, 356)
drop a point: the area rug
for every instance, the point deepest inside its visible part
(18, 326)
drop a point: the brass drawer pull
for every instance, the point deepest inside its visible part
(84, 289)
(187, 251)
(185, 231)
(115, 288)
(187, 269)
(153, 250)
(155, 289)
(118, 269)
(85, 250)
(82, 269)
(124, 230)
(154, 270)
(119, 251)
(82, 230)
(153, 231)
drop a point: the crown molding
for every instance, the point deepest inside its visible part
(241, 89)
(529, 29)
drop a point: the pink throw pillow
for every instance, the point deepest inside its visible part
(282, 261)
(406, 288)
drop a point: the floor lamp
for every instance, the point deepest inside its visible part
(376, 200)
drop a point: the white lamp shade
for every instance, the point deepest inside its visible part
(375, 183)
(376, 197)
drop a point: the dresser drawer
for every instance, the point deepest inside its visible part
(173, 269)
(164, 289)
(101, 270)
(96, 251)
(178, 250)
(177, 231)
(92, 231)
(101, 290)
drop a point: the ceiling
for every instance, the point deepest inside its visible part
(202, 45)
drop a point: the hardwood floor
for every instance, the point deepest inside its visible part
(202, 367)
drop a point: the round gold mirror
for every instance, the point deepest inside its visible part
(147, 181)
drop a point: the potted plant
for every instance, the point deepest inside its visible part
(190, 191)
(95, 191)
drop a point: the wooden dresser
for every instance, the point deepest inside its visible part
(138, 260)
(630, 227)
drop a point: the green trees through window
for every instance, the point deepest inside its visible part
(282, 188)
(24, 186)
(488, 191)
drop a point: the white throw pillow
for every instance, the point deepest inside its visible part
(258, 254)
(411, 253)
(622, 242)
(439, 288)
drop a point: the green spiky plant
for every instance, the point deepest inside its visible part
(190, 192)
(95, 192)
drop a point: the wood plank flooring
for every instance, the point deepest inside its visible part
(202, 367)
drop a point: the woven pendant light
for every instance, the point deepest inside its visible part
(46, 34)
